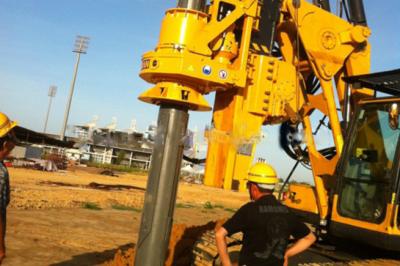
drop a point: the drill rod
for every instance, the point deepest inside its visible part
(162, 185)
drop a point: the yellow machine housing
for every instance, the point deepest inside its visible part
(222, 50)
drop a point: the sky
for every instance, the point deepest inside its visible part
(36, 43)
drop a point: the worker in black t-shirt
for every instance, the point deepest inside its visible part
(266, 225)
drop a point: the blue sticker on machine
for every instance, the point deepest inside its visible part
(206, 70)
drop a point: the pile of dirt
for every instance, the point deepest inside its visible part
(180, 248)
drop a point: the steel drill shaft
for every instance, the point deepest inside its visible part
(162, 186)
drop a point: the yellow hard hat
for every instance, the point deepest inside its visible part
(262, 173)
(5, 125)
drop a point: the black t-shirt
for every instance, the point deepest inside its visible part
(266, 225)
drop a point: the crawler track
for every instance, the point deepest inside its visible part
(205, 250)
(377, 262)
(205, 254)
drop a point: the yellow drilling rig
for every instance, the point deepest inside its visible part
(276, 62)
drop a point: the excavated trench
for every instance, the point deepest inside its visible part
(180, 248)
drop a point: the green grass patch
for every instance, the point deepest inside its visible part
(184, 205)
(118, 168)
(121, 207)
(208, 205)
(230, 210)
(91, 206)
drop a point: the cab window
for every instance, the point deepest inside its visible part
(367, 170)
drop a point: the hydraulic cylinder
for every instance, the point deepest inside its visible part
(357, 12)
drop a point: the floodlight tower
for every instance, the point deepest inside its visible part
(81, 45)
(52, 94)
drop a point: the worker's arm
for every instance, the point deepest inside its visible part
(220, 238)
(300, 245)
(2, 240)
(235, 224)
(4, 151)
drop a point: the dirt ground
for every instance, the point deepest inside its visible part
(80, 217)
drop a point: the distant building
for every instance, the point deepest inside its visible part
(105, 145)
(108, 145)
(83, 132)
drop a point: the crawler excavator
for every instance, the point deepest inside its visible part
(276, 62)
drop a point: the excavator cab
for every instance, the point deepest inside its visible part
(367, 191)
(364, 197)
(368, 172)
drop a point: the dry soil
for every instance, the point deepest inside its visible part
(80, 217)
